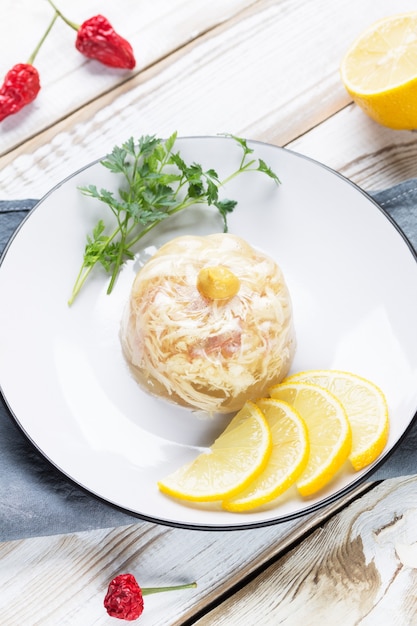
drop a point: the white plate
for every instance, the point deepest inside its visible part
(351, 274)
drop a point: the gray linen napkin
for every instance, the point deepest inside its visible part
(37, 500)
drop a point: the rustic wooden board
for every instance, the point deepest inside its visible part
(370, 155)
(359, 568)
(277, 97)
(65, 577)
(205, 68)
(69, 81)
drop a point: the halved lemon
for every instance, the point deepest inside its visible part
(328, 429)
(237, 456)
(366, 408)
(290, 450)
(379, 71)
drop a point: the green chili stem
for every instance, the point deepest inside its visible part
(44, 36)
(62, 16)
(148, 590)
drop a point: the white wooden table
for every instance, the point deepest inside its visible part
(266, 70)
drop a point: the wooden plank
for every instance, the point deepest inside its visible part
(277, 97)
(73, 571)
(361, 567)
(69, 81)
(372, 156)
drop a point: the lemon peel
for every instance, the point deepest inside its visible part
(328, 429)
(289, 456)
(238, 455)
(379, 71)
(366, 409)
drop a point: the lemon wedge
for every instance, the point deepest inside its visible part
(290, 450)
(379, 71)
(366, 408)
(237, 456)
(328, 428)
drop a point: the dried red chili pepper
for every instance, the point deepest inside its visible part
(21, 84)
(124, 597)
(97, 39)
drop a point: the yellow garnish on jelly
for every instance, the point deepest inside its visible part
(217, 283)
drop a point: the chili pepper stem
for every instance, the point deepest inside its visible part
(146, 591)
(62, 16)
(44, 36)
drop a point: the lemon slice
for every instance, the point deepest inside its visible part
(290, 449)
(379, 71)
(328, 429)
(237, 456)
(366, 408)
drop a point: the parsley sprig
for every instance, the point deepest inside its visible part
(157, 183)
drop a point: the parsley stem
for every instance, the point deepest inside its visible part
(85, 269)
(79, 282)
(151, 226)
(119, 259)
(243, 168)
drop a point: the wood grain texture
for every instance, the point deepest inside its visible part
(246, 77)
(73, 571)
(372, 156)
(347, 572)
(155, 28)
(268, 70)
